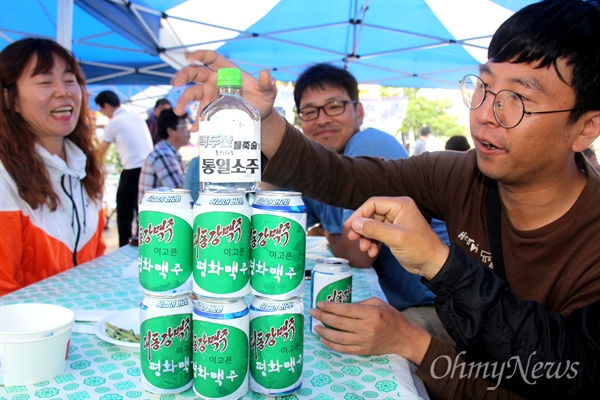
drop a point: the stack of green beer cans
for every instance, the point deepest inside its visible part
(227, 255)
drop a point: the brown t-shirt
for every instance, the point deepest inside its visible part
(557, 265)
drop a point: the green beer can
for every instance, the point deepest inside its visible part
(276, 345)
(220, 346)
(166, 343)
(331, 280)
(278, 243)
(165, 242)
(221, 238)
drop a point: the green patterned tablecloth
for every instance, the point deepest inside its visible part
(100, 370)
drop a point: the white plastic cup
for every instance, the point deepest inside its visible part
(34, 342)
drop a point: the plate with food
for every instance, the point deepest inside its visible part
(121, 328)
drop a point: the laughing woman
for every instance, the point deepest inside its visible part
(51, 177)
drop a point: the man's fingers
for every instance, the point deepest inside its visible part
(342, 309)
(372, 301)
(190, 94)
(373, 229)
(192, 73)
(344, 342)
(211, 59)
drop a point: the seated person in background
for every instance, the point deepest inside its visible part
(51, 176)
(152, 120)
(457, 143)
(327, 102)
(164, 167)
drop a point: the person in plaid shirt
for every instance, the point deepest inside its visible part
(164, 167)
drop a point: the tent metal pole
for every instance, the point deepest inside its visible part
(64, 26)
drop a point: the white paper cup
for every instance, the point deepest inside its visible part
(34, 342)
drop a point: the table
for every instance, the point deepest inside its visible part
(100, 370)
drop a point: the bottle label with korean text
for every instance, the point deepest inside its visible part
(230, 148)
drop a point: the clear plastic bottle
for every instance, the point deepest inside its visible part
(229, 139)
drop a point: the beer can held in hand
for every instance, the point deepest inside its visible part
(331, 280)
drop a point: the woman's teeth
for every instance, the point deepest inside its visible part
(62, 112)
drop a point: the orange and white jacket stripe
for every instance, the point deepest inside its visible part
(38, 243)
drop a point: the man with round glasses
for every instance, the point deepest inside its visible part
(327, 103)
(524, 199)
(509, 107)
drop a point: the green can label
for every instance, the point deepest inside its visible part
(339, 291)
(165, 351)
(222, 254)
(165, 253)
(220, 360)
(276, 346)
(278, 255)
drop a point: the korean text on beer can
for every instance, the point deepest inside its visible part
(221, 237)
(165, 242)
(278, 242)
(220, 346)
(166, 343)
(276, 345)
(331, 280)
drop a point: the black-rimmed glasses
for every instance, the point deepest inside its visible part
(508, 107)
(333, 108)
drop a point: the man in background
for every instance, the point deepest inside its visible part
(421, 143)
(130, 134)
(457, 143)
(152, 121)
(164, 167)
(330, 113)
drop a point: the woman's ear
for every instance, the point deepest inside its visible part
(5, 94)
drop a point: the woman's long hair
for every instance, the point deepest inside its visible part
(17, 139)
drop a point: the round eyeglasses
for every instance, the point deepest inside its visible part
(333, 108)
(508, 106)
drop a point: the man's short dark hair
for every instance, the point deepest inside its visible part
(107, 97)
(168, 119)
(162, 102)
(544, 33)
(425, 130)
(458, 143)
(324, 76)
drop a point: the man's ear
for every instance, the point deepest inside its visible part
(589, 132)
(170, 132)
(360, 112)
